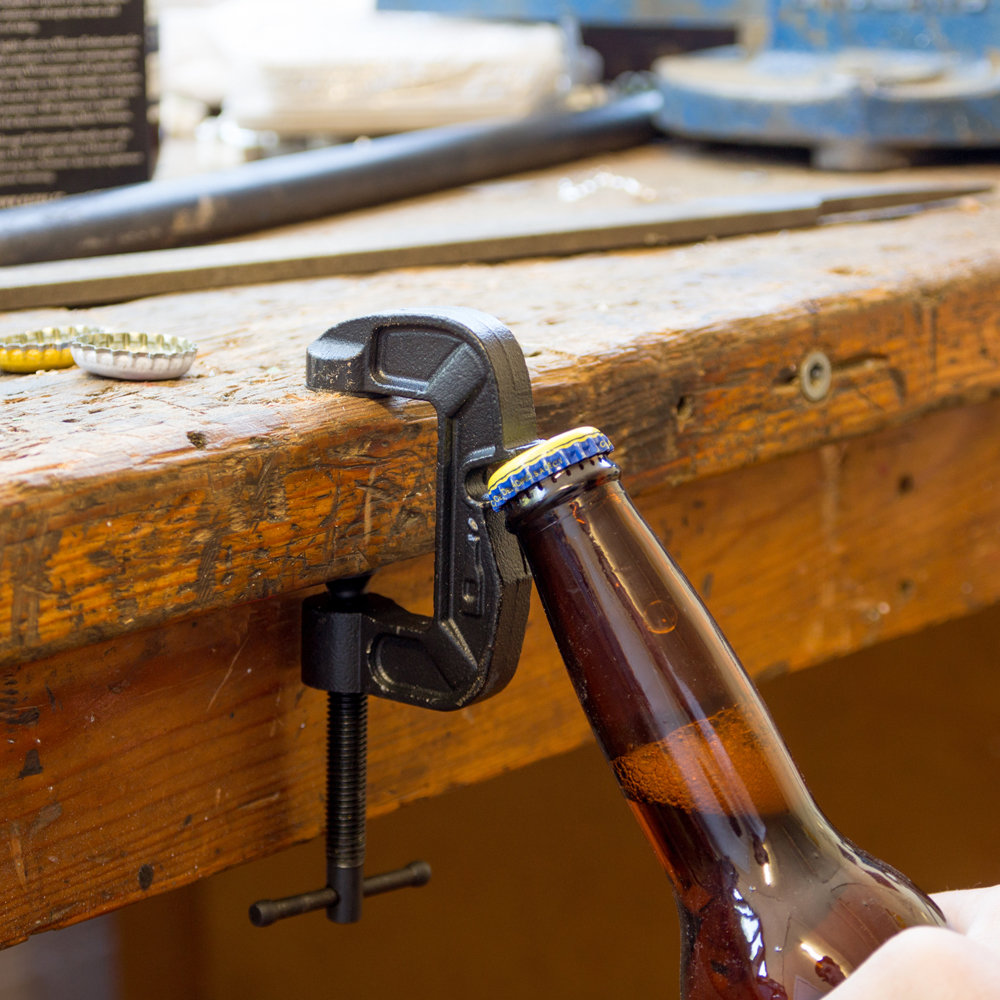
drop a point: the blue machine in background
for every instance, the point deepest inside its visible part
(864, 84)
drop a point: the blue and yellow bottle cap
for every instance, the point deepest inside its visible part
(543, 460)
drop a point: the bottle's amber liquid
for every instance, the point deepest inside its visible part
(771, 908)
(775, 904)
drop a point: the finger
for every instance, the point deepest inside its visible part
(925, 963)
(974, 912)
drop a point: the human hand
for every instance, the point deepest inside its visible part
(961, 962)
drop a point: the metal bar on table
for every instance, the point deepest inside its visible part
(286, 189)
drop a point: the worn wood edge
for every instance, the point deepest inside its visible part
(141, 764)
(727, 396)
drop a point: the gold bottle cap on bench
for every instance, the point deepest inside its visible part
(39, 350)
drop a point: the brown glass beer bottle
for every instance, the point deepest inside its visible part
(775, 904)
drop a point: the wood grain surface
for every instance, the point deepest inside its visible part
(157, 538)
(129, 504)
(136, 765)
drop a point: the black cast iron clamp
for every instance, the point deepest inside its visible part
(354, 644)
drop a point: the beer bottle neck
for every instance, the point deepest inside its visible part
(669, 702)
(772, 901)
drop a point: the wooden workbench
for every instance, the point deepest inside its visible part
(157, 538)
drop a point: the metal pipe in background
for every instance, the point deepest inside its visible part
(299, 186)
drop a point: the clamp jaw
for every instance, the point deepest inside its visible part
(470, 368)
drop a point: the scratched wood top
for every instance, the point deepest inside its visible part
(155, 726)
(126, 504)
(142, 763)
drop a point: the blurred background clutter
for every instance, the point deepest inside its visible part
(245, 78)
